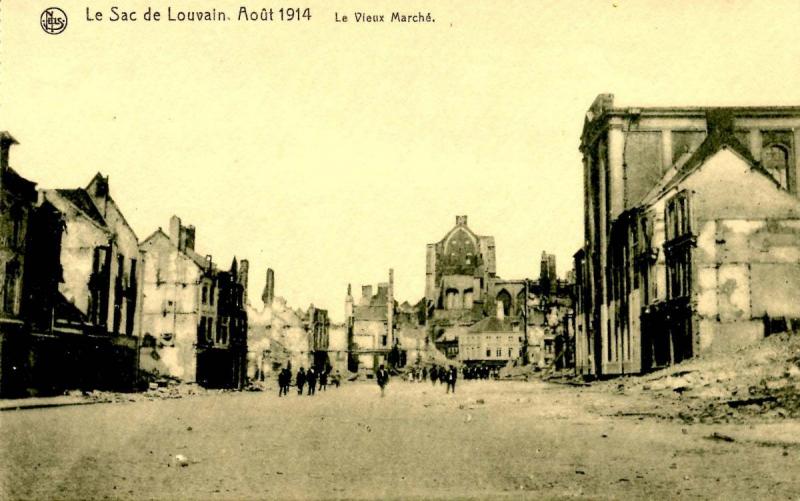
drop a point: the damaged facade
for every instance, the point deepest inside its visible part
(371, 326)
(222, 352)
(194, 322)
(692, 240)
(318, 326)
(382, 332)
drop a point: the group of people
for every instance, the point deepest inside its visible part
(307, 379)
(317, 379)
(445, 375)
(442, 375)
(481, 372)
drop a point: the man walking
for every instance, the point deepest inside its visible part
(281, 382)
(451, 379)
(323, 379)
(383, 379)
(311, 377)
(301, 380)
(287, 380)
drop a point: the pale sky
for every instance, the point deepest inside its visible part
(332, 152)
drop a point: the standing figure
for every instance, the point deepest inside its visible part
(301, 380)
(281, 382)
(311, 377)
(434, 376)
(424, 374)
(336, 378)
(383, 379)
(451, 379)
(323, 379)
(287, 380)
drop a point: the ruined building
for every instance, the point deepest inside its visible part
(194, 322)
(280, 336)
(371, 324)
(100, 259)
(692, 233)
(222, 353)
(318, 325)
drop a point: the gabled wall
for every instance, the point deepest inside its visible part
(747, 259)
(171, 309)
(80, 239)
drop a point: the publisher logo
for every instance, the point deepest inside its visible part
(53, 20)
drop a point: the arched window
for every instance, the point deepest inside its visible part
(775, 159)
(504, 297)
(452, 299)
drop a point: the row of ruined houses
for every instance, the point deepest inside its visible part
(84, 304)
(692, 233)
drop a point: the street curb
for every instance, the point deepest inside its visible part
(46, 405)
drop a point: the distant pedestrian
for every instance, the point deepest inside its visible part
(300, 380)
(424, 374)
(443, 375)
(336, 379)
(451, 379)
(383, 379)
(323, 380)
(434, 376)
(282, 384)
(311, 377)
(287, 380)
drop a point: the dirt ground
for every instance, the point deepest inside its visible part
(492, 439)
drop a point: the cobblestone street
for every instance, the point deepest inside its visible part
(490, 440)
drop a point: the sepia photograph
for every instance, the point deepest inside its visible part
(399, 249)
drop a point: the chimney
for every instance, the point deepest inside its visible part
(719, 122)
(269, 289)
(98, 188)
(244, 269)
(175, 231)
(366, 292)
(348, 303)
(6, 141)
(461, 220)
(187, 237)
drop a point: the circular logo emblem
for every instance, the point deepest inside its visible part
(53, 20)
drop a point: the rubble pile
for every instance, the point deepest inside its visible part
(157, 390)
(759, 380)
(516, 372)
